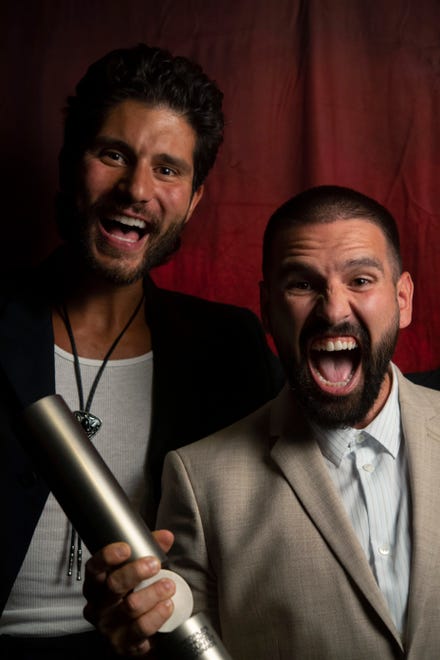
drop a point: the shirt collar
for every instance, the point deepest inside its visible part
(385, 429)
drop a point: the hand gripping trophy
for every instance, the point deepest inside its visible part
(101, 513)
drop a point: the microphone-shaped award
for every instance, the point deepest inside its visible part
(101, 513)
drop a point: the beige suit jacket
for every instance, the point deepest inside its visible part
(264, 540)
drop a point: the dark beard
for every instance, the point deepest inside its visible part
(74, 229)
(161, 247)
(342, 411)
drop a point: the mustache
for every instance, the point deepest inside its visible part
(118, 201)
(319, 328)
(108, 208)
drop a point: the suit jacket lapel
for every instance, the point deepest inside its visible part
(26, 375)
(26, 334)
(171, 344)
(421, 427)
(26, 352)
(298, 456)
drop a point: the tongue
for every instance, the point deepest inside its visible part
(334, 367)
(127, 235)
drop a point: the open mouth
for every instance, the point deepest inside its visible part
(334, 361)
(126, 228)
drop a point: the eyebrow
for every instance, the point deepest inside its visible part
(364, 261)
(300, 267)
(107, 141)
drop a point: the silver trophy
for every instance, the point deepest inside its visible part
(101, 513)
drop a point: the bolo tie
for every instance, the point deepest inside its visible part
(91, 423)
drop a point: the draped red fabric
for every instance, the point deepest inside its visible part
(316, 91)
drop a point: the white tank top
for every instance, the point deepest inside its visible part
(44, 600)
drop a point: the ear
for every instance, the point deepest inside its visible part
(195, 199)
(264, 306)
(405, 289)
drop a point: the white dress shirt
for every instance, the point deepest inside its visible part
(369, 468)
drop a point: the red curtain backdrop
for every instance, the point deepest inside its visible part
(317, 91)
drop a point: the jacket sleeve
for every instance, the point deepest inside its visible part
(179, 512)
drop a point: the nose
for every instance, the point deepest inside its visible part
(138, 183)
(333, 305)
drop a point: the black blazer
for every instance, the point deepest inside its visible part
(211, 367)
(426, 378)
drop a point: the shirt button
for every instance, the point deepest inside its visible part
(384, 550)
(368, 467)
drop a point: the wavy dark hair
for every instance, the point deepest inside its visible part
(154, 77)
(323, 204)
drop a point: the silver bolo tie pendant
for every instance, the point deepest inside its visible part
(90, 423)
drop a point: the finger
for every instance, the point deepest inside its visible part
(164, 538)
(139, 602)
(95, 587)
(139, 649)
(129, 624)
(108, 557)
(125, 579)
(134, 638)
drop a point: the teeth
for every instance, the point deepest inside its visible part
(130, 222)
(337, 345)
(341, 383)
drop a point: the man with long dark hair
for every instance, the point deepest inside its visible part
(144, 369)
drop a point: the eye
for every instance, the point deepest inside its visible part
(166, 172)
(298, 286)
(361, 282)
(112, 157)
